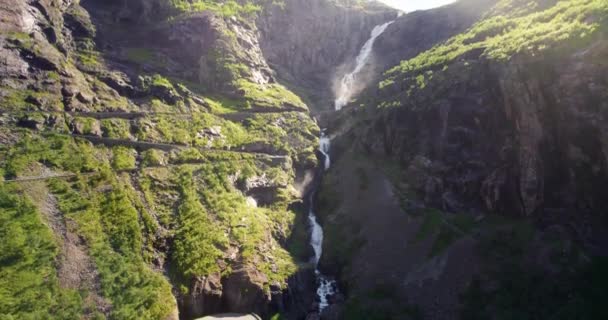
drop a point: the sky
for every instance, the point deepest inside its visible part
(412, 5)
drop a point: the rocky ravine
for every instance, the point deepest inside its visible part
(154, 163)
(174, 160)
(492, 168)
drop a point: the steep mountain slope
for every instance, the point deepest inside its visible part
(471, 180)
(155, 163)
(151, 163)
(309, 43)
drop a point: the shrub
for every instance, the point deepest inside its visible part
(123, 158)
(29, 286)
(109, 225)
(197, 239)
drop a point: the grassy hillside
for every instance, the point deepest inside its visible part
(512, 27)
(120, 192)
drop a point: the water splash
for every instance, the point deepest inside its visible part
(324, 144)
(326, 287)
(347, 84)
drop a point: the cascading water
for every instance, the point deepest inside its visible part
(324, 144)
(347, 84)
(327, 287)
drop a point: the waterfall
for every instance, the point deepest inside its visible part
(324, 144)
(326, 286)
(347, 84)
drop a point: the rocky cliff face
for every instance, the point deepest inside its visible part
(162, 201)
(509, 131)
(154, 163)
(310, 43)
(459, 136)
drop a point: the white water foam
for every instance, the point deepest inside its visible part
(324, 145)
(347, 84)
(327, 287)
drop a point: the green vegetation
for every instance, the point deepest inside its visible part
(116, 128)
(198, 239)
(109, 224)
(157, 105)
(285, 133)
(514, 27)
(85, 125)
(89, 59)
(152, 158)
(22, 39)
(19, 100)
(430, 224)
(229, 73)
(29, 287)
(54, 151)
(227, 8)
(183, 207)
(269, 95)
(123, 158)
(575, 289)
(160, 81)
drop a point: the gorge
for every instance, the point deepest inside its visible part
(291, 159)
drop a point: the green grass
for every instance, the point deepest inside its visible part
(54, 151)
(513, 27)
(443, 240)
(226, 8)
(109, 224)
(212, 215)
(86, 124)
(29, 287)
(445, 228)
(89, 59)
(116, 128)
(19, 100)
(198, 239)
(269, 95)
(152, 157)
(160, 81)
(502, 36)
(123, 158)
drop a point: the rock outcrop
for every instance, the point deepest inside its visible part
(309, 51)
(128, 89)
(460, 141)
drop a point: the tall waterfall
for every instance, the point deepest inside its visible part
(324, 144)
(347, 84)
(326, 286)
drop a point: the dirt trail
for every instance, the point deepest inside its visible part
(75, 269)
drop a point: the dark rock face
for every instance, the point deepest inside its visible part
(307, 50)
(514, 138)
(313, 50)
